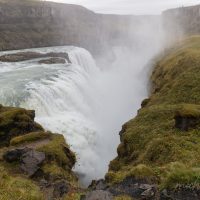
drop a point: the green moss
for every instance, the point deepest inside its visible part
(178, 174)
(15, 122)
(58, 150)
(16, 188)
(57, 172)
(151, 138)
(138, 172)
(30, 137)
(176, 76)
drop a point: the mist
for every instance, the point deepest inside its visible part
(89, 99)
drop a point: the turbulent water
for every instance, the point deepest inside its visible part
(84, 101)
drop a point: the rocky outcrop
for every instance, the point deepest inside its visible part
(29, 159)
(41, 158)
(16, 121)
(53, 61)
(53, 57)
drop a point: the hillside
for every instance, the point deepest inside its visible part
(161, 145)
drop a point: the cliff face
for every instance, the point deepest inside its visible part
(27, 24)
(182, 21)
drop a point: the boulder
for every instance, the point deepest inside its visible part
(15, 122)
(60, 189)
(98, 195)
(29, 159)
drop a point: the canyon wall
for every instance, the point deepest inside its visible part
(28, 24)
(182, 21)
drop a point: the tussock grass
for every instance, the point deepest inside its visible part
(16, 188)
(30, 137)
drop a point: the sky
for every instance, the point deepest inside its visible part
(137, 7)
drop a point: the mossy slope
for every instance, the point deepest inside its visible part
(151, 145)
(18, 130)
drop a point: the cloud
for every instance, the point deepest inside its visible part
(131, 6)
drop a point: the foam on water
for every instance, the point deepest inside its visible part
(84, 102)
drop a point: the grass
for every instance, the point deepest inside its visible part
(16, 188)
(58, 150)
(30, 137)
(14, 122)
(57, 172)
(73, 196)
(138, 172)
(151, 139)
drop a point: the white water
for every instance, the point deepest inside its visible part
(86, 103)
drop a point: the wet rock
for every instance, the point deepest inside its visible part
(98, 195)
(60, 188)
(53, 61)
(23, 56)
(136, 188)
(31, 161)
(98, 185)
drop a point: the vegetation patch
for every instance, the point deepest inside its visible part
(58, 150)
(16, 188)
(30, 137)
(165, 135)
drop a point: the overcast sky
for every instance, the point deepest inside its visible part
(131, 6)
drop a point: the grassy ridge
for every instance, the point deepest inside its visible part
(151, 147)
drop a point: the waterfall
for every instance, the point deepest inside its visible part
(86, 103)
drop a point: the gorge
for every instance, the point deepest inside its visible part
(89, 80)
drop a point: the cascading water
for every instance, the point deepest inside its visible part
(85, 102)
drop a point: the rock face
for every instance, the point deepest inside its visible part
(182, 21)
(29, 159)
(27, 24)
